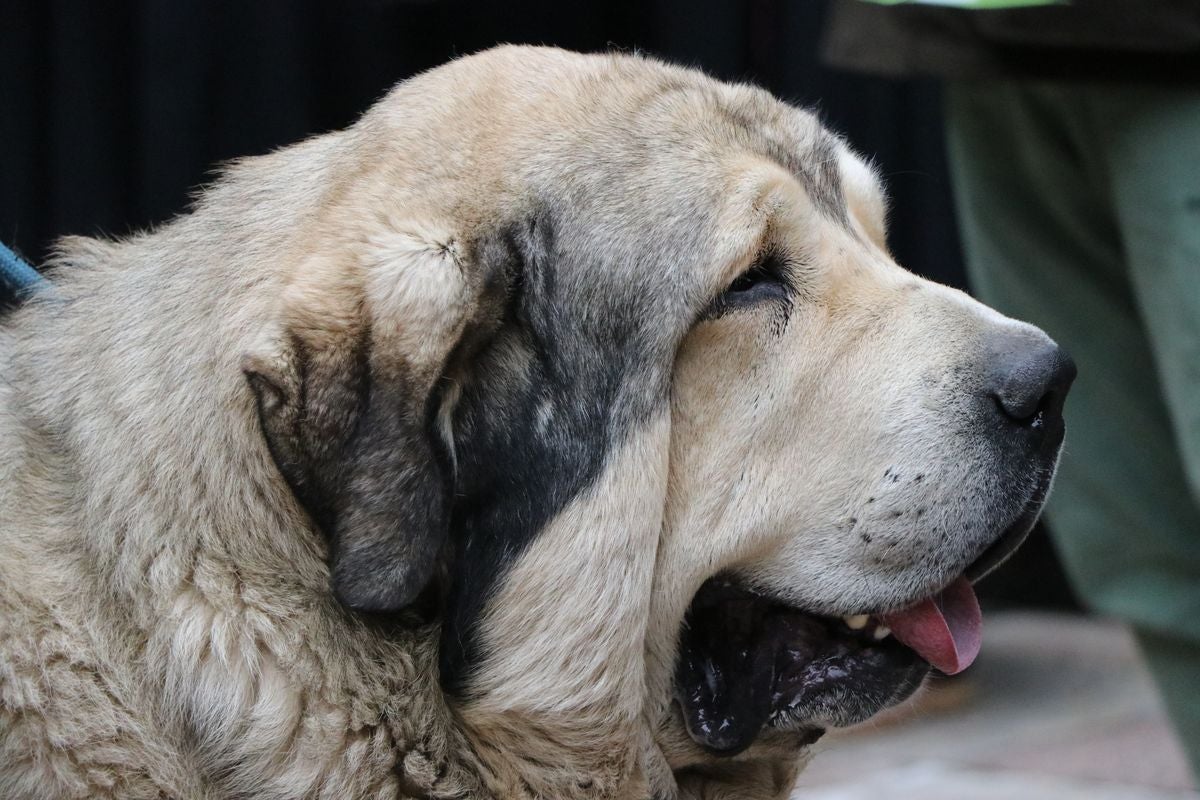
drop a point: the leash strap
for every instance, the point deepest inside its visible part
(17, 278)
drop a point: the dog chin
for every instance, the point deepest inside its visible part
(748, 663)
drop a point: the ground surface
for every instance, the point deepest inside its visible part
(1057, 708)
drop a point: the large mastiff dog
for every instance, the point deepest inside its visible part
(562, 429)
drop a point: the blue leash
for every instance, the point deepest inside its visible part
(17, 278)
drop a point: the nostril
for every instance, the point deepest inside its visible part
(1030, 388)
(1032, 414)
(1022, 408)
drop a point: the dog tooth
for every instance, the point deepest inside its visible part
(856, 622)
(882, 632)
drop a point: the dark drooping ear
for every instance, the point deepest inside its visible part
(349, 401)
(356, 448)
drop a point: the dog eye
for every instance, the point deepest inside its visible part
(763, 282)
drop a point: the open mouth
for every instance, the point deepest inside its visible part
(747, 661)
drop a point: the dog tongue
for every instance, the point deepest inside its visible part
(946, 630)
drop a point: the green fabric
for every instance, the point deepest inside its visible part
(969, 3)
(1079, 207)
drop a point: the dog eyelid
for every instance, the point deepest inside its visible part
(765, 281)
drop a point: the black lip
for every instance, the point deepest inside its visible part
(848, 685)
(747, 662)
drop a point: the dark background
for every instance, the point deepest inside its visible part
(112, 113)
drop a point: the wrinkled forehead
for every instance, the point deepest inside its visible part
(695, 169)
(625, 154)
(738, 124)
(688, 127)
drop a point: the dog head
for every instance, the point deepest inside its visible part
(619, 352)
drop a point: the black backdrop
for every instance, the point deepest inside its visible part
(110, 113)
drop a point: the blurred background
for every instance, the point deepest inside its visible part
(112, 113)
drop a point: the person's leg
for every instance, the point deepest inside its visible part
(1151, 140)
(1152, 148)
(1041, 237)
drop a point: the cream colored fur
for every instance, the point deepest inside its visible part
(166, 622)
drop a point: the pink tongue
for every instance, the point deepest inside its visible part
(946, 630)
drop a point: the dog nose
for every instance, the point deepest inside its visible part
(1029, 381)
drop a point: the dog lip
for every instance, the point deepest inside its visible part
(1014, 535)
(747, 662)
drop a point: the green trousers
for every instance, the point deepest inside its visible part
(1079, 208)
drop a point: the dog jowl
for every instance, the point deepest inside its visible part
(563, 428)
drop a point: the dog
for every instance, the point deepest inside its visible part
(561, 429)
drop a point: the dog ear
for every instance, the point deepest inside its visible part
(348, 405)
(355, 445)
